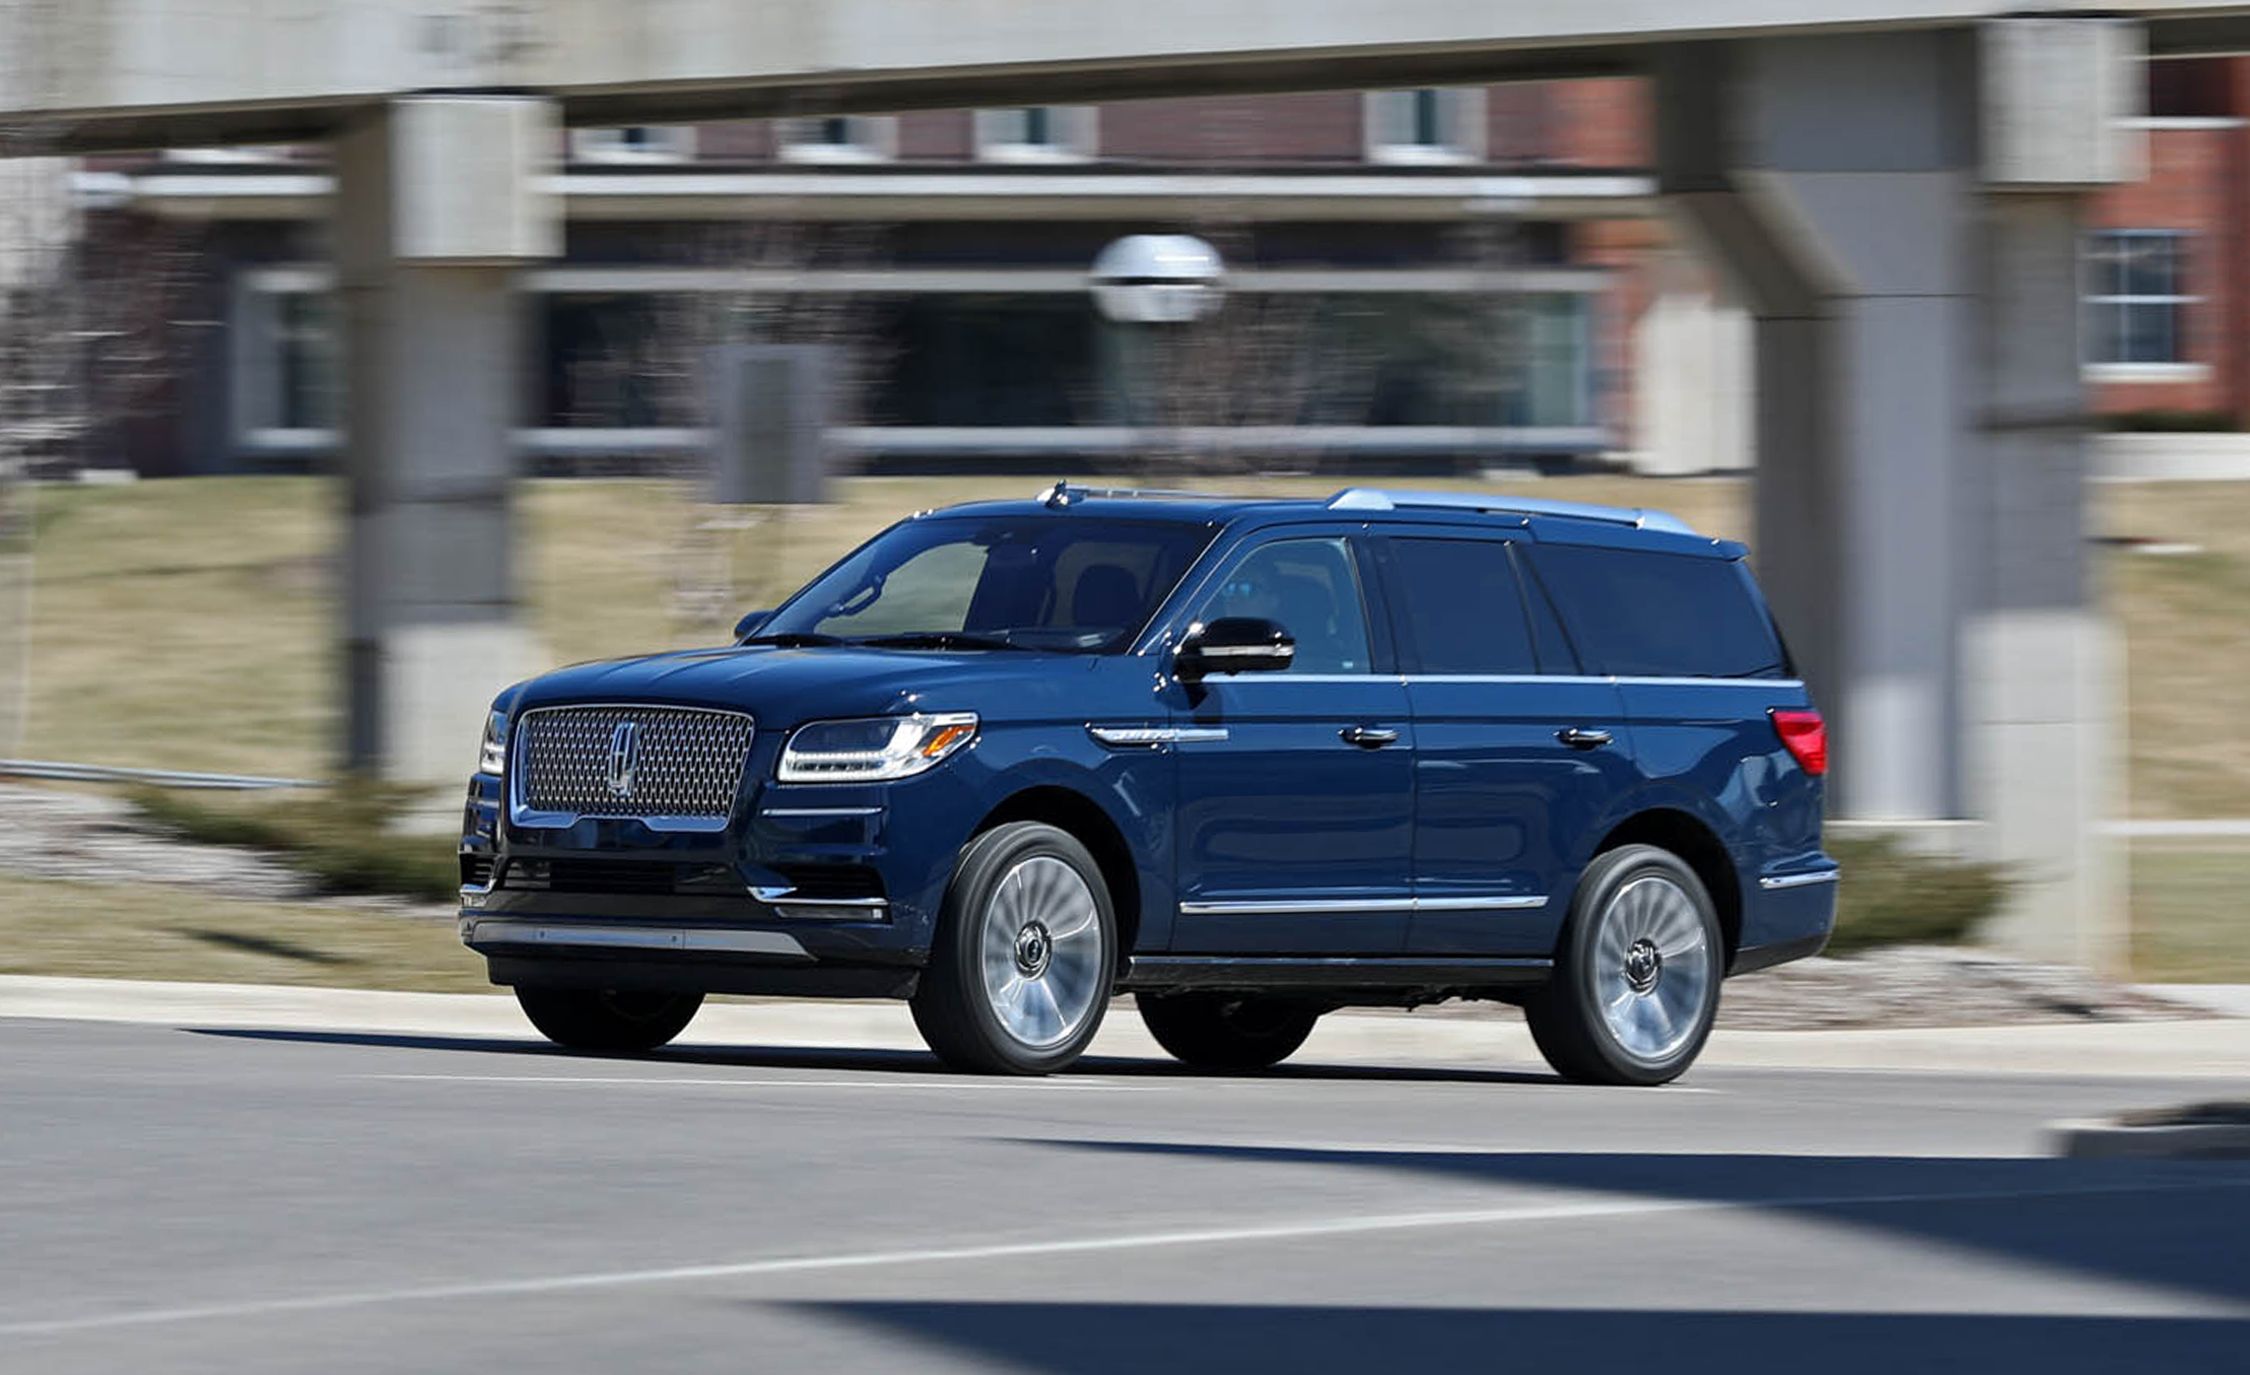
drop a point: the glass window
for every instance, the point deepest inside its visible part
(2136, 296)
(1427, 125)
(634, 143)
(1462, 608)
(1310, 587)
(1036, 133)
(1057, 583)
(1643, 614)
(838, 138)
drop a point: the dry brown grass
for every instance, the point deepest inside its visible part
(188, 624)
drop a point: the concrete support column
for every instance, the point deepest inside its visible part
(438, 198)
(2038, 655)
(1899, 212)
(1692, 375)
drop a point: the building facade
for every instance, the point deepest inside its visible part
(1424, 279)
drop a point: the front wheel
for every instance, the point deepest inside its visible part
(1025, 955)
(1636, 980)
(607, 1019)
(1227, 1031)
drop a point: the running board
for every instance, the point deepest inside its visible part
(1153, 972)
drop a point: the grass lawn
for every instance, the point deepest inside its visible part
(190, 625)
(145, 931)
(2190, 910)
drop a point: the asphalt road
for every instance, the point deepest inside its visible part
(185, 1200)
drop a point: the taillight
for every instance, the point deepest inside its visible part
(1805, 736)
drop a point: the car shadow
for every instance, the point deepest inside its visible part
(852, 1058)
(2177, 1224)
(1133, 1338)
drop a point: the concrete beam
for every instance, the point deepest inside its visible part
(109, 73)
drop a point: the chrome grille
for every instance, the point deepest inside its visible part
(686, 762)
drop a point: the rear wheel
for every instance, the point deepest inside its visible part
(1636, 981)
(1025, 955)
(608, 1019)
(1227, 1031)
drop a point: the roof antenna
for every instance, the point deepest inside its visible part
(1057, 496)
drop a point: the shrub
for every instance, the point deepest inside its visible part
(340, 836)
(1890, 896)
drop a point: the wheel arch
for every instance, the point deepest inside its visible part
(1073, 811)
(1699, 847)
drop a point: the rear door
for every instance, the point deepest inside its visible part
(1517, 754)
(1296, 788)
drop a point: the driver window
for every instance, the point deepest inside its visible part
(1311, 588)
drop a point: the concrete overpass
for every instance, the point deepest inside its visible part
(1894, 186)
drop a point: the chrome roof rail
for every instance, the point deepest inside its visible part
(1382, 499)
(1071, 493)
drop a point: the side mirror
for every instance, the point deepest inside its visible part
(748, 625)
(1234, 644)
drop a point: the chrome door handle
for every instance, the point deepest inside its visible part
(1369, 737)
(1583, 737)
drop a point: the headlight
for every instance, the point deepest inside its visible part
(493, 757)
(874, 751)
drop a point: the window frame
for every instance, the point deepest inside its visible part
(1466, 143)
(674, 143)
(1184, 611)
(2098, 255)
(1074, 127)
(875, 141)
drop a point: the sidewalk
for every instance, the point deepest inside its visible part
(2218, 1047)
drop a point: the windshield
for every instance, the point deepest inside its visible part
(1013, 582)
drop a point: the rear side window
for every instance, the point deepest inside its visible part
(1641, 614)
(1462, 608)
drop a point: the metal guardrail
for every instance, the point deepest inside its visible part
(169, 778)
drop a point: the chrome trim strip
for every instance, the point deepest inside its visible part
(1291, 906)
(504, 931)
(1157, 735)
(822, 811)
(783, 897)
(1492, 904)
(1772, 881)
(1581, 679)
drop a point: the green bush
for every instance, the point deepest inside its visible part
(1890, 896)
(341, 836)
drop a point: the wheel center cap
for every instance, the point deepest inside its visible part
(1642, 965)
(1033, 948)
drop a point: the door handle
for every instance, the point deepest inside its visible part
(1583, 737)
(1369, 737)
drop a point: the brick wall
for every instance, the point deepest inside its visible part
(2194, 184)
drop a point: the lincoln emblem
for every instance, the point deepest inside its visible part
(624, 757)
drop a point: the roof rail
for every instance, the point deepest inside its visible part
(1380, 499)
(1070, 493)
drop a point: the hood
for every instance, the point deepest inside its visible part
(787, 687)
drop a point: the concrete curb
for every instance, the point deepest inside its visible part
(2116, 1141)
(2207, 1047)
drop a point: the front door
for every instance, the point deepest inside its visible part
(1295, 819)
(1517, 755)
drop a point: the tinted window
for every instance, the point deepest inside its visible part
(1309, 586)
(1462, 610)
(1059, 582)
(1642, 614)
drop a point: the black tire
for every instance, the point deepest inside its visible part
(605, 1019)
(1567, 1017)
(1227, 1031)
(960, 1015)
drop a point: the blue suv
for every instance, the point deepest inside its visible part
(1249, 760)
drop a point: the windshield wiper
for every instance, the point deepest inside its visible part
(795, 639)
(938, 639)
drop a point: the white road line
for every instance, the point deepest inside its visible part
(1063, 1246)
(948, 1084)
